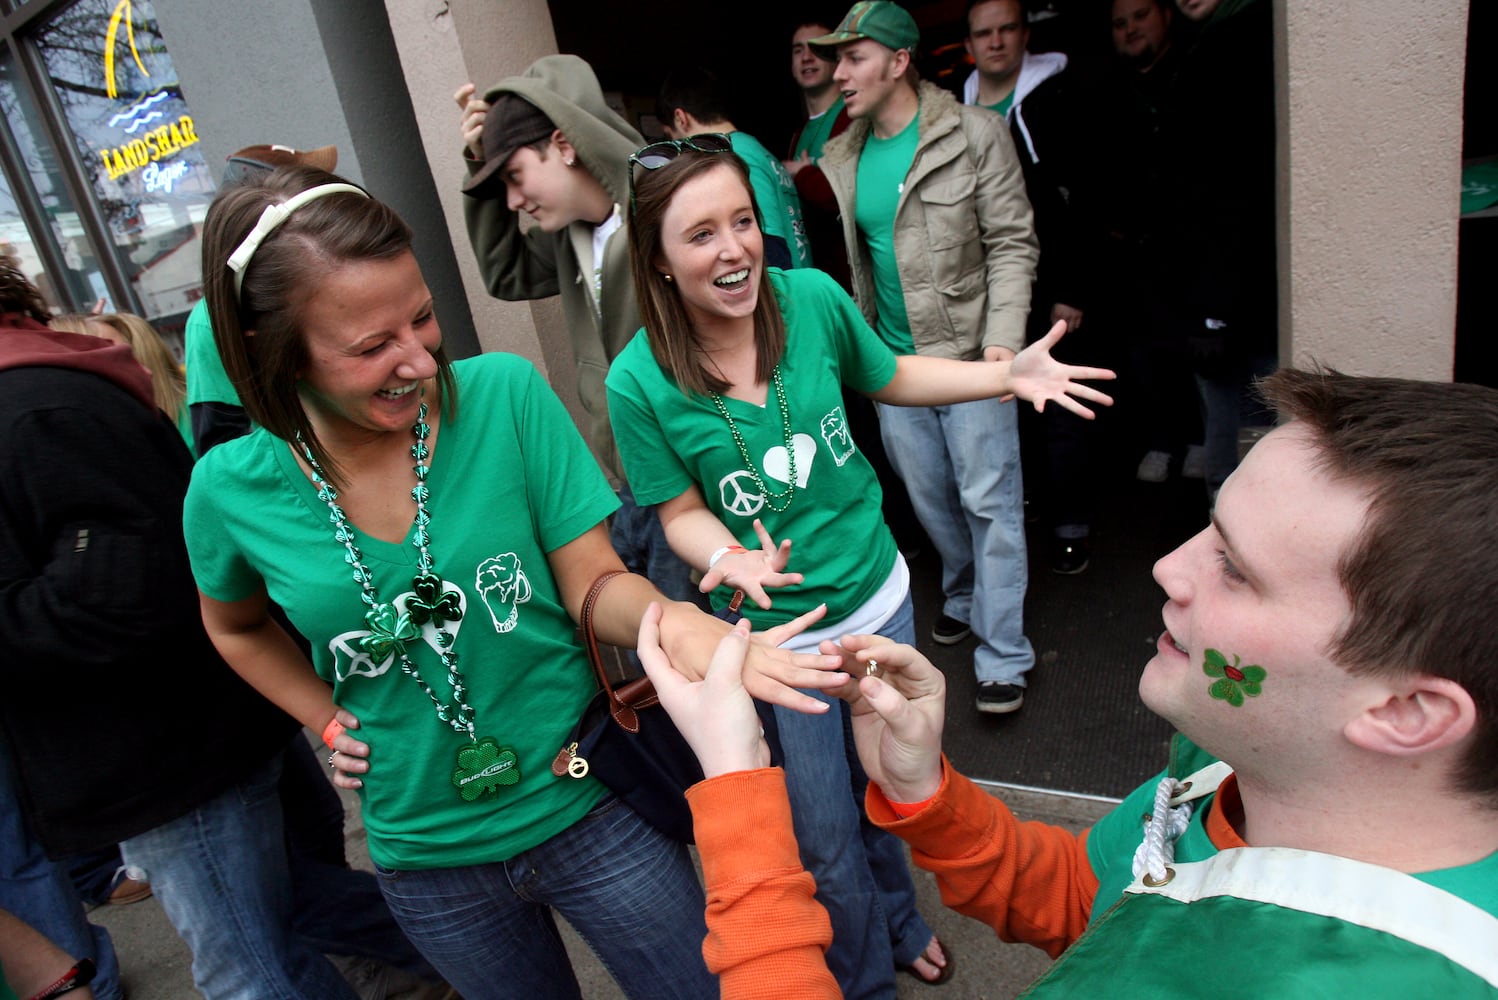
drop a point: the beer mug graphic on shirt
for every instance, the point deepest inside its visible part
(504, 587)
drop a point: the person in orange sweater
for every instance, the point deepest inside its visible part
(1328, 824)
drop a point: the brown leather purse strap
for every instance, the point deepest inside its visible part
(624, 699)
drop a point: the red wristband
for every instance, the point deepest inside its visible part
(330, 732)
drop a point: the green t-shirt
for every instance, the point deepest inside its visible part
(6, 993)
(670, 441)
(1112, 842)
(775, 190)
(1002, 107)
(510, 481)
(882, 169)
(207, 382)
(817, 131)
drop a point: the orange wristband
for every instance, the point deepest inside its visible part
(330, 732)
(905, 810)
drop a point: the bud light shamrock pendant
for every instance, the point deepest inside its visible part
(483, 767)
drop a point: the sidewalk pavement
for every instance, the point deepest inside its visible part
(157, 965)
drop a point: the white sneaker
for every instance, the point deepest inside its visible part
(1194, 466)
(1154, 467)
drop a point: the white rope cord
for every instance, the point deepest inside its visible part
(1163, 825)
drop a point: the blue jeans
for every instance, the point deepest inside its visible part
(638, 537)
(1230, 403)
(222, 877)
(629, 891)
(961, 467)
(338, 910)
(40, 892)
(863, 877)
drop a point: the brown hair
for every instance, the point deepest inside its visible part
(258, 331)
(667, 326)
(1422, 576)
(18, 294)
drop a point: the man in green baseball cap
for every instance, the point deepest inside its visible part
(885, 22)
(942, 251)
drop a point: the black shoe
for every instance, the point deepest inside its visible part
(1070, 556)
(999, 698)
(949, 631)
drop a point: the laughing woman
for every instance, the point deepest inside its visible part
(728, 414)
(438, 565)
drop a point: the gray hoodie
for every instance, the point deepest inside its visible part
(536, 265)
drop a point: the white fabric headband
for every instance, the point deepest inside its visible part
(271, 218)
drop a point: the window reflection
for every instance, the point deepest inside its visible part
(82, 283)
(138, 143)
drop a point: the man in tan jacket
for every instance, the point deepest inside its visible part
(943, 253)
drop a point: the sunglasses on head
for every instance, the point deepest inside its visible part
(655, 155)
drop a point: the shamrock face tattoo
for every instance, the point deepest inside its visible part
(1234, 681)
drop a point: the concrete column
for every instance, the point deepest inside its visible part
(444, 44)
(1369, 109)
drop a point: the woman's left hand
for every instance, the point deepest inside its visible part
(690, 636)
(752, 570)
(1036, 376)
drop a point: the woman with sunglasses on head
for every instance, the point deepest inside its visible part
(727, 410)
(437, 557)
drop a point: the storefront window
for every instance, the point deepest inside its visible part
(81, 282)
(138, 142)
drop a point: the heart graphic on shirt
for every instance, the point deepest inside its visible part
(777, 462)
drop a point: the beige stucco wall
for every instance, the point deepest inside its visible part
(1370, 127)
(442, 46)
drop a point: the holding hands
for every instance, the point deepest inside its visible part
(752, 570)
(715, 715)
(1036, 376)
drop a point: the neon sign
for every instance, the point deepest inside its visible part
(163, 140)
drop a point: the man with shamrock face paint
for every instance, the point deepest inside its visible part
(1328, 823)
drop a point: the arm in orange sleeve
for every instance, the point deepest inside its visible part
(1030, 882)
(767, 936)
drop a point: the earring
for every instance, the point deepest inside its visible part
(570, 162)
(668, 277)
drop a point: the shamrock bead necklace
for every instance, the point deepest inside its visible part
(390, 630)
(778, 502)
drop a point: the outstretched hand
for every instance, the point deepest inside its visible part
(898, 713)
(1036, 376)
(752, 570)
(690, 636)
(715, 715)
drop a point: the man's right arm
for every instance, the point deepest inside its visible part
(515, 266)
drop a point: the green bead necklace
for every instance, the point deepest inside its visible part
(482, 763)
(778, 502)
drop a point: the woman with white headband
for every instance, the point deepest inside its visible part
(437, 557)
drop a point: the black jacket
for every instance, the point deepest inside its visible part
(116, 709)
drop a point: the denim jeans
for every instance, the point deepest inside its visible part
(1230, 403)
(961, 467)
(862, 874)
(222, 877)
(338, 910)
(638, 537)
(41, 893)
(631, 893)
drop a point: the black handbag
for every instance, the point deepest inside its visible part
(626, 740)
